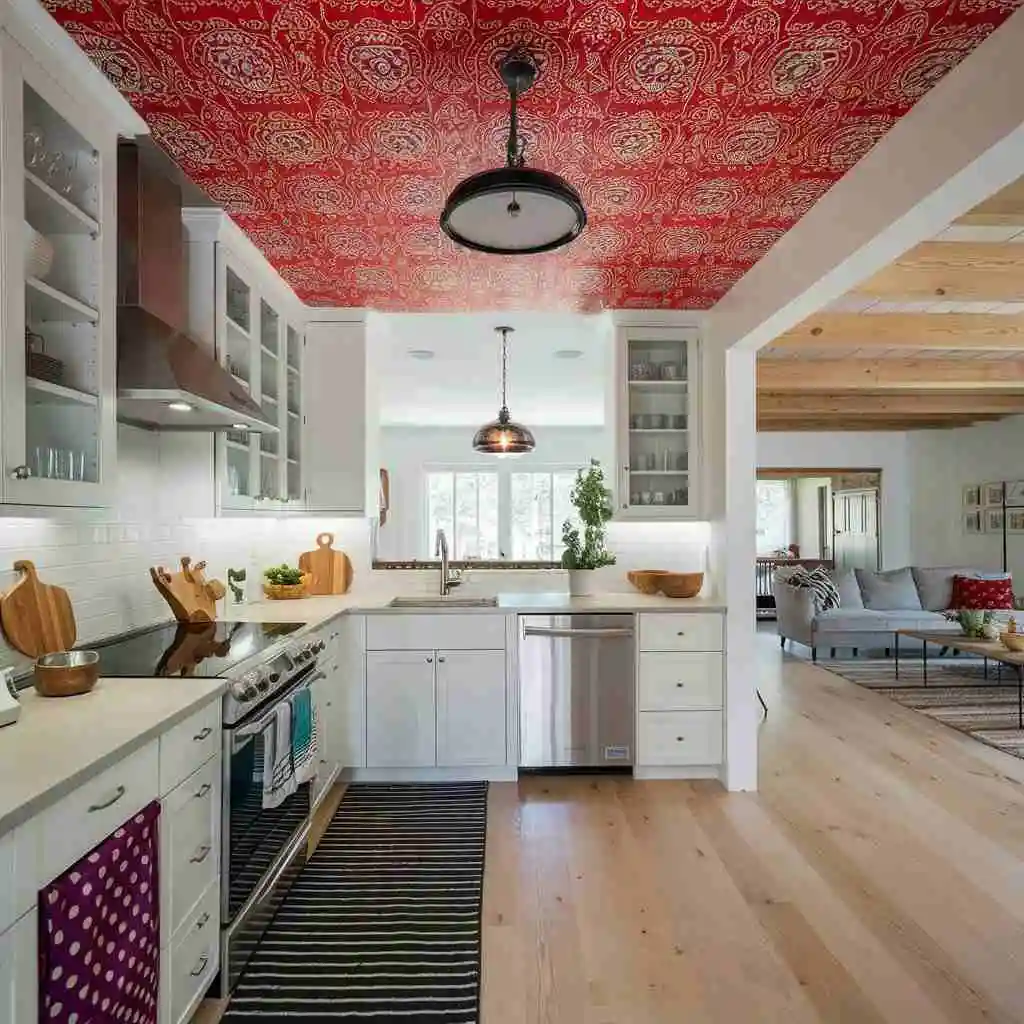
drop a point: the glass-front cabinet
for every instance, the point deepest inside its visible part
(59, 254)
(263, 351)
(659, 425)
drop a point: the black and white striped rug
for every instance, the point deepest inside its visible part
(383, 925)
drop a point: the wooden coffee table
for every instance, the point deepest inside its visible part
(988, 649)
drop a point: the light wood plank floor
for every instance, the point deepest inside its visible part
(877, 876)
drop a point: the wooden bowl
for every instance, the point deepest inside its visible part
(681, 584)
(286, 591)
(66, 673)
(646, 580)
(1012, 641)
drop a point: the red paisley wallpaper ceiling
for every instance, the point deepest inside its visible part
(697, 131)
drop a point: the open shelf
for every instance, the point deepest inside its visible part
(237, 328)
(45, 302)
(242, 381)
(268, 352)
(51, 213)
(40, 391)
(293, 369)
(659, 472)
(659, 385)
(237, 445)
(658, 430)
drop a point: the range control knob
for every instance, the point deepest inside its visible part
(246, 688)
(262, 682)
(320, 645)
(275, 677)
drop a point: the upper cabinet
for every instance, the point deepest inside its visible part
(658, 423)
(57, 290)
(256, 330)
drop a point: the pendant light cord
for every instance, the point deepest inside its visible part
(504, 368)
(514, 152)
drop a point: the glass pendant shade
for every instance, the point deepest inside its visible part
(514, 210)
(502, 436)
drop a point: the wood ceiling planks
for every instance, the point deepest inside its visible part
(840, 375)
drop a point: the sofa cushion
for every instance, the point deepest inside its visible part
(974, 593)
(848, 589)
(865, 620)
(935, 585)
(889, 591)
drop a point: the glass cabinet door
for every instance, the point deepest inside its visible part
(58, 416)
(271, 384)
(293, 417)
(659, 425)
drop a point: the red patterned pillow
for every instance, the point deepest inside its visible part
(981, 595)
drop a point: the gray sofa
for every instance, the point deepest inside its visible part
(871, 606)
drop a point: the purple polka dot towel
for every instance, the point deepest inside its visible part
(99, 932)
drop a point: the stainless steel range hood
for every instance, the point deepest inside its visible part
(166, 381)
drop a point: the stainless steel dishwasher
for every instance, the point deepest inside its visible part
(576, 691)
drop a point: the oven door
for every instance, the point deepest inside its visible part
(263, 849)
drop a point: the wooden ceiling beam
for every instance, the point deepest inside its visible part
(898, 404)
(952, 271)
(819, 426)
(1004, 209)
(837, 375)
(982, 332)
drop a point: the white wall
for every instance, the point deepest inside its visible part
(887, 451)
(942, 462)
(405, 451)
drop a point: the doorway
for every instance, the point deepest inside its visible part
(855, 534)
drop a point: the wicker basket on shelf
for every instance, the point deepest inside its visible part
(286, 591)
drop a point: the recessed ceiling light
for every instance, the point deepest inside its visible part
(569, 353)
(180, 406)
(421, 353)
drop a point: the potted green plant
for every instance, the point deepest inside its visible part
(586, 552)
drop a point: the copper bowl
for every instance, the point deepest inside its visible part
(646, 580)
(681, 584)
(67, 673)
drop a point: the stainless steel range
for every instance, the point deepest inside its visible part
(262, 849)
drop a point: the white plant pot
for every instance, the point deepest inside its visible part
(582, 582)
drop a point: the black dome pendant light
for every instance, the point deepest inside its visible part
(502, 436)
(514, 210)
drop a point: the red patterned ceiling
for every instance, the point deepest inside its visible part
(698, 131)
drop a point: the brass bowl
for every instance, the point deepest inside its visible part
(1012, 641)
(66, 673)
(681, 584)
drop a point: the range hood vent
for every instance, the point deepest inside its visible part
(166, 380)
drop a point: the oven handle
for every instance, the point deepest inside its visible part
(255, 728)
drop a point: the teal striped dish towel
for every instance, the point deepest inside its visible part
(305, 736)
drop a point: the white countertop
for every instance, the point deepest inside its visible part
(315, 610)
(60, 742)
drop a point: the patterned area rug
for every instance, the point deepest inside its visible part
(957, 694)
(383, 924)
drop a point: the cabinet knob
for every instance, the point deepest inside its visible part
(679, 686)
(21, 473)
(440, 659)
(681, 633)
(679, 739)
(430, 661)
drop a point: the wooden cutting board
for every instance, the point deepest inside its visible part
(331, 570)
(37, 618)
(191, 596)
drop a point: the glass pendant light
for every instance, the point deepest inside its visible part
(514, 210)
(502, 436)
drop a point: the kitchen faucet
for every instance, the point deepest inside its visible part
(451, 578)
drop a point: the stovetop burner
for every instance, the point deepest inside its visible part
(187, 649)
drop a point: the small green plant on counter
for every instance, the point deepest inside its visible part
(282, 575)
(593, 501)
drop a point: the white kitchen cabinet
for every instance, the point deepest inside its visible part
(470, 720)
(254, 326)
(400, 709)
(18, 978)
(658, 469)
(58, 176)
(329, 699)
(336, 418)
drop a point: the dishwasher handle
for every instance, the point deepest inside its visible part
(594, 634)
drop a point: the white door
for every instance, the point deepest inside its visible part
(400, 709)
(18, 981)
(470, 708)
(855, 529)
(334, 417)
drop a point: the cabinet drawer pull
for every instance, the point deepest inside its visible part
(118, 793)
(200, 966)
(206, 787)
(201, 855)
(681, 632)
(679, 686)
(201, 923)
(679, 739)
(206, 730)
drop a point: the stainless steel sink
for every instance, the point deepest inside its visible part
(443, 602)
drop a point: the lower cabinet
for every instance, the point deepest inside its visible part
(427, 709)
(18, 981)
(400, 709)
(470, 708)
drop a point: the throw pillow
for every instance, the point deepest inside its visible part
(974, 594)
(848, 589)
(819, 582)
(889, 591)
(935, 585)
